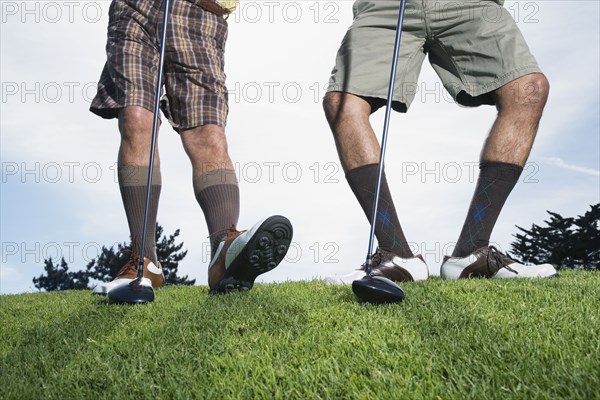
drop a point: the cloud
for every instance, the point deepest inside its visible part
(562, 164)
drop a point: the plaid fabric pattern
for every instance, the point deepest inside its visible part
(194, 79)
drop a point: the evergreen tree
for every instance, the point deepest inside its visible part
(58, 277)
(565, 242)
(109, 262)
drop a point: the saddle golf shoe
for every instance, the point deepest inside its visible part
(388, 265)
(243, 256)
(488, 262)
(129, 272)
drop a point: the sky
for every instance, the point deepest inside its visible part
(59, 196)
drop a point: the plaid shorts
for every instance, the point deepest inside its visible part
(194, 79)
(475, 47)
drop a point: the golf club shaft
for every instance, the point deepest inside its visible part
(386, 123)
(163, 39)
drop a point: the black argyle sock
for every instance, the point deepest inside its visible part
(496, 181)
(363, 181)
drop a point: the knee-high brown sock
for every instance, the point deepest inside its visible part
(363, 182)
(496, 181)
(132, 183)
(218, 194)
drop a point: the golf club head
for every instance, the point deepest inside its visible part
(377, 290)
(138, 291)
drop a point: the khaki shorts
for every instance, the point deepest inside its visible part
(194, 77)
(475, 47)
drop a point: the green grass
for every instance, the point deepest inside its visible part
(479, 339)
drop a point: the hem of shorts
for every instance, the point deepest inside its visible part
(501, 81)
(113, 112)
(363, 93)
(106, 113)
(179, 128)
(110, 112)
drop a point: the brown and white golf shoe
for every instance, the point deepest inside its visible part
(129, 272)
(488, 262)
(388, 265)
(242, 256)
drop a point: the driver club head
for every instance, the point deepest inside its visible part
(138, 291)
(377, 290)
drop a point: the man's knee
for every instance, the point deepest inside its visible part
(529, 91)
(206, 146)
(340, 106)
(536, 89)
(135, 124)
(208, 137)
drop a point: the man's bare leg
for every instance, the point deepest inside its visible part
(520, 104)
(214, 180)
(135, 126)
(359, 150)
